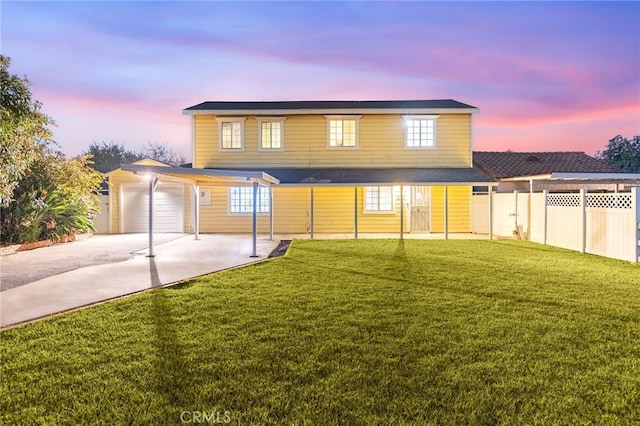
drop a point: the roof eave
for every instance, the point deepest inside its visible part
(193, 174)
(336, 111)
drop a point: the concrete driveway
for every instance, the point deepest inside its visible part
(54, 260)
(54, 279)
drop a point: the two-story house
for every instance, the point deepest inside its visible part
(317, 166)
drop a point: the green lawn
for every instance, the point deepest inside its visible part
(348, 332)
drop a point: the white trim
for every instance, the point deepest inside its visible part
(120, 209)
(333, 111)
(433, 119)
(232, 120)
(356, 119)
(193, 141)
(271, 120)
(366, 210)
(230, 213)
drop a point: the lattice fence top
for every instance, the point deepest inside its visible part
(609, 201)
(605, 201)
(563, 200)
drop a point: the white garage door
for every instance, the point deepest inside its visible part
(168, 201)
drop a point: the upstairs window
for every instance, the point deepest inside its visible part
(231, 131)
(271, 134)
(378, 199)
(342, 132)
(241, 199)
(420, 131)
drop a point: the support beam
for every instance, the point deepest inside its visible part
(355, 212)
(270, 212)
(529, 201)
(446, 212)
(635, 208)
(311, 214)
(401, 212)
(546, 215)
(153, 183)
(583, 224)
(490, 213)
(196, 210)
(254, 252)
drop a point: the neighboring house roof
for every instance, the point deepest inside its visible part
(376, 176)
(501, 165)
(292, 107)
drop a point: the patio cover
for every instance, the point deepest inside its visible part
(203, 175)
(349, 176)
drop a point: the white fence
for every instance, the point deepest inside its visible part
(603, 224)
(101, 221)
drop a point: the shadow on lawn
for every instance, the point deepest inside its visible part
(170, 360)
(401, 271)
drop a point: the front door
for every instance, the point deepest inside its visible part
(419, 209)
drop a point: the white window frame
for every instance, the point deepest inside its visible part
(432, 118)
(355, 118)
(232, 120)
(378, 189)
(246, 200)
(279, 120)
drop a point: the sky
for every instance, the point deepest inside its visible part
(545, 76)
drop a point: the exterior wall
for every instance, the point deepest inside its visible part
(381, 143)
(459, 206)
(333, 212)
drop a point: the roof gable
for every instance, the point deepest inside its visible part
(501, 165)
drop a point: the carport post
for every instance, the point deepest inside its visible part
(446, 212)
(153, 182)
(311, 214)
(355, 212)
(401, 211)
(270, 212)
(196, 207)
(254, 253)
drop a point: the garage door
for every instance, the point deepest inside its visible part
(168, 200)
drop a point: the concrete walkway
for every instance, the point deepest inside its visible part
(174, 261)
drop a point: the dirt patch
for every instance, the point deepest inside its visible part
(281, 250)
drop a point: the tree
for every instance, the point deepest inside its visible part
(23, 130)
(622, 153)
(44, 195)
(56, 197)
(109, 156)
(162, 152)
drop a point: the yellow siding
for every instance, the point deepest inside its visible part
(369, 222)
(333, 209)
(290, 208)
(381, 143)
(459, 204)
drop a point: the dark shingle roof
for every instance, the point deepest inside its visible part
(375, 176)
(327, 105)
(511, 164)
